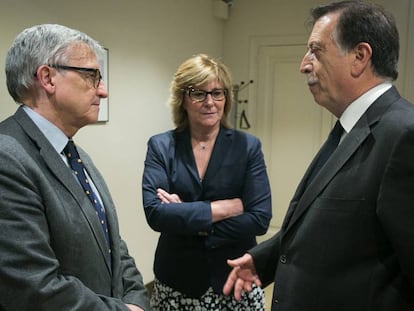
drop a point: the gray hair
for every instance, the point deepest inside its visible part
(36, 46)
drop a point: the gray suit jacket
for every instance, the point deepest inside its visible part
(347, 241)
(51, 244)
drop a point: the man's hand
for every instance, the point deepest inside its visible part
(242, 277)
(134, 307)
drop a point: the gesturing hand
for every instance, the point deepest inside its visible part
(242, 277)
(133, 307)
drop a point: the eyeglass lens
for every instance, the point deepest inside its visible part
(98, 78)
(95, 76)
(92, 73)
(201, 95)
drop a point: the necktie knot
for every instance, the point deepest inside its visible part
(70, 150)
(327, 149)
(336, 133)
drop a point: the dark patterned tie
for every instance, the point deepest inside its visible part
(79, 170)
(328, 148)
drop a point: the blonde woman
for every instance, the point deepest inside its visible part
(206, 190)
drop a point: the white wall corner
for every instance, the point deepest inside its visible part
(220, 9)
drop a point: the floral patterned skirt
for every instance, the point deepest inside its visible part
(164, 298)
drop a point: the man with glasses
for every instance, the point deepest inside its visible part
(59, 243)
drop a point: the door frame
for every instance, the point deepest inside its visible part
(255, 111)
(257, 42)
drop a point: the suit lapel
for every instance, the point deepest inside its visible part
(221, 147)
(109, 210)
(184, 151)
(344, 151)
(49, 155)
(57, 167)
(304, 198)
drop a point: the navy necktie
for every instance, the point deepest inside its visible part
(328, 148)
(79, 170)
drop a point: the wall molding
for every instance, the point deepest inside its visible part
(409, 61)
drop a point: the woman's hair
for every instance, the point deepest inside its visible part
(37, 46)
(194, 72)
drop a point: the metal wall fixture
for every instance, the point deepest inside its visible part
(240, 118)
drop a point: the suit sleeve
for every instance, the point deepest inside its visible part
(256, 198)
(186, 218)
(396, 202)
(134, 289)
(265, 257)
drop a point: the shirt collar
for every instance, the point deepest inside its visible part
(357, 108)
(52, 133)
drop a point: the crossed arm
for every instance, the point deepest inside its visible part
(220, 209)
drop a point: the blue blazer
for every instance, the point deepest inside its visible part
(192, 251)
(53, 254)
(347, 241)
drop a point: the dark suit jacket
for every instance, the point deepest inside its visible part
(347, 242)
(51, 243)
(192, 252)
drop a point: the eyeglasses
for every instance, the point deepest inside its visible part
(94, 74)
(201, 95)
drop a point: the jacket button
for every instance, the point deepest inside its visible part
(283, 259)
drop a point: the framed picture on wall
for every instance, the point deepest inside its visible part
(103, 107)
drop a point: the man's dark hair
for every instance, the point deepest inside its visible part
(363, 22)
